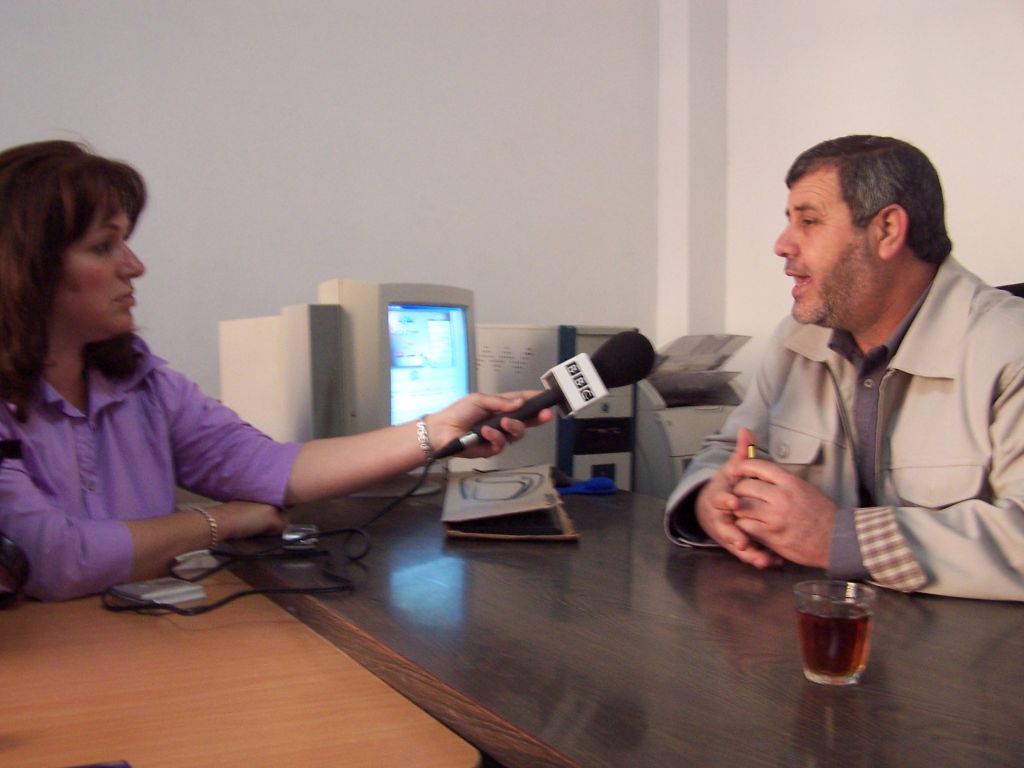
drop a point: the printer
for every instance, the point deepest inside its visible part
(685, 398)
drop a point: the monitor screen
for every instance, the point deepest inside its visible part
(430, 358)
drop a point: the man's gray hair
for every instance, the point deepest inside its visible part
(876, 171)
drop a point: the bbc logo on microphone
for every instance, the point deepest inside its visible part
(580, 380)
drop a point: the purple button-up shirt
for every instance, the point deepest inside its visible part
(81, 475)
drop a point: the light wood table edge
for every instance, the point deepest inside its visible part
(502, 740)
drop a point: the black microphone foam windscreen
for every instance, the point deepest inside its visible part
(624, 359)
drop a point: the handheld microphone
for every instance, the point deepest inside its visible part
(626, 358)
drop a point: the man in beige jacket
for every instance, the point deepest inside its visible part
(883, 436)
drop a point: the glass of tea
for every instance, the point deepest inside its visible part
(834, 619)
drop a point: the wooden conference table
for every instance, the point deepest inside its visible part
(624, 650)
(246, 685)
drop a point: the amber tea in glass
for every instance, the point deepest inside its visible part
(834, 620)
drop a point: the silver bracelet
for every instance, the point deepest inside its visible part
(212, 523)
(423, 438)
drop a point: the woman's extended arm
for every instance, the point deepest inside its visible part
(341, 465)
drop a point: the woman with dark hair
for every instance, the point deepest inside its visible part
(107, 430)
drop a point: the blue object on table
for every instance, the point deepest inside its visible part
(595, 485)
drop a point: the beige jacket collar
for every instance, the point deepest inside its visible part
(940, 325)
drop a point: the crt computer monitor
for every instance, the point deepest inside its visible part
(430, 358)
(407, 349)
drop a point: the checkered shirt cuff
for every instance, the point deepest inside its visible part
(885, 552)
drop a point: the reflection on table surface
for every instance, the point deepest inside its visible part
(622, 649)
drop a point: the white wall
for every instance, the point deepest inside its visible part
(507, 146)
(945, 75)
(633, 149)
(692, 151)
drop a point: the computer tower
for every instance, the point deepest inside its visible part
(597, 442)
(282, 373)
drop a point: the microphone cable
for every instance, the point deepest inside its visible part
(118, 602)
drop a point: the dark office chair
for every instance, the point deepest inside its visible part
(1017, 289)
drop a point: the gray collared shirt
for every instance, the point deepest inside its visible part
(845, 559)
